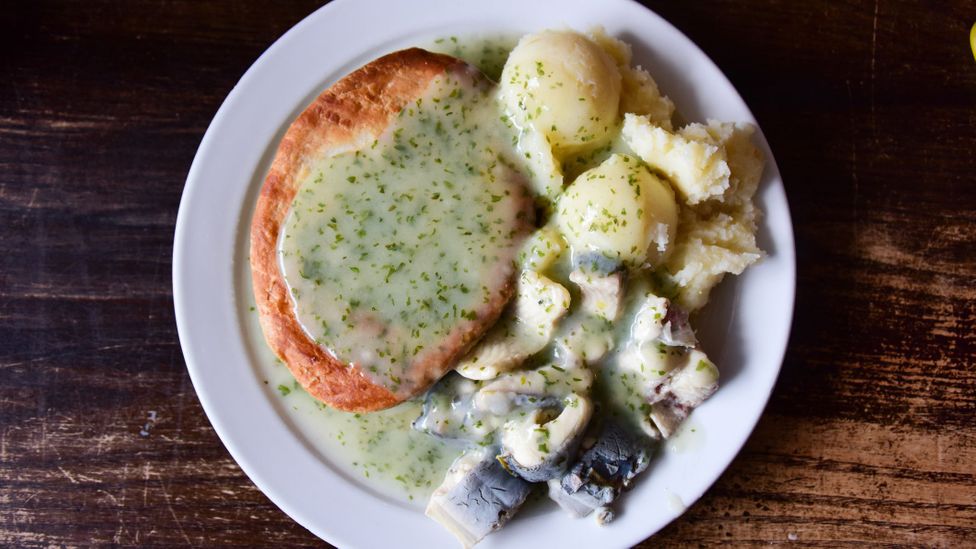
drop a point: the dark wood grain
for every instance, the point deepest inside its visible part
(869, 438)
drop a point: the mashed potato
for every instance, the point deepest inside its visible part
(639, 92)
(706, 250)
(694, 162)
(717, 236)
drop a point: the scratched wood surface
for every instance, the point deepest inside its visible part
(869, 437)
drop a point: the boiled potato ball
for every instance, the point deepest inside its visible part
(565, 86)
(621, 210)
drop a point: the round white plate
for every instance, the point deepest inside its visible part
(745, 328)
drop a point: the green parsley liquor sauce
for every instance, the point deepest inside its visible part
(487, 52)
(379, 450)
(388, 250)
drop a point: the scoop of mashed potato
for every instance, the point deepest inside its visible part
(621, 210)
(718, 236)
(707, 249)
(565, 86)
(639, 93)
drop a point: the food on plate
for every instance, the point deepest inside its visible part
(525, 330)
(564, 86)
(619, 210)
(364, 296)
(551, 238)
(477, 497)
(612, 460)
(539, 445)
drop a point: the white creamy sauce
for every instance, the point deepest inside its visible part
(690, 437)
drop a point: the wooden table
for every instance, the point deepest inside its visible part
(869, 437)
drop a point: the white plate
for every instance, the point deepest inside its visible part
(745, 329)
